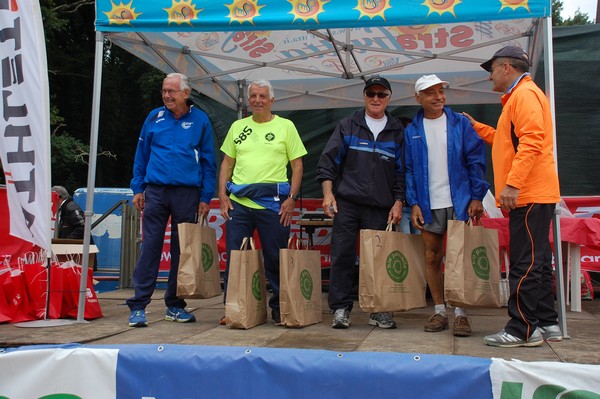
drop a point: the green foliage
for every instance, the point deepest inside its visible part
(557, 7)
(578, 19)
(68, 161)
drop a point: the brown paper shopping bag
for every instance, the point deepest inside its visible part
(300, 286)
(472, 267)
(198, 275)
(246, 304)
(391, 273)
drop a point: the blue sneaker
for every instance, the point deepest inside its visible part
(179, 315)
(137, 318)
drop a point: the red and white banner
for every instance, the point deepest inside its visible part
(25, 120)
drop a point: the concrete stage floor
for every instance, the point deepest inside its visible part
(582, 346)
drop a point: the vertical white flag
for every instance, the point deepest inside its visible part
(25, 120)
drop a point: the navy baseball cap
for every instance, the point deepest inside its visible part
(509, 52)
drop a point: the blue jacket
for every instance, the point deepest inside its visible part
(365, 171)
(466, 165)
(176, 152)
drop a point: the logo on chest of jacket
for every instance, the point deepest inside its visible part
(187, 125)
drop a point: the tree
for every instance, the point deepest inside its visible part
(70, 45)
(578, 19)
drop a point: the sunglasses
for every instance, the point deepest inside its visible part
(379, 94)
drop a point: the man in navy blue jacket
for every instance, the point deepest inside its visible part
(445, 180)
(364, 160)
(174, 176)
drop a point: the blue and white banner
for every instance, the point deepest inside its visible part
(25, 120)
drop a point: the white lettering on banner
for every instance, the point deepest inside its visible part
(24, 123)
(590, 259)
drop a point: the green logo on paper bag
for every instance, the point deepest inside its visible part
(306, 284)
(207, 257)
(481, 263)
(256, 286)
(397, 266)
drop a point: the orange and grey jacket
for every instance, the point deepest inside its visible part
(523, 145)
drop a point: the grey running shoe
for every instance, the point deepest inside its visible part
(503, 339)
(341, 318)
(551, 333)
(382, 320)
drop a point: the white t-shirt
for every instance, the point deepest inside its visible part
(376, 125)
(437, 162)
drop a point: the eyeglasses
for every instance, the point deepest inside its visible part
(169, 92)
(492, 68)
(379, 94)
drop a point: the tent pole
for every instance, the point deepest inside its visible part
(241, 101)
(89, 203)
(558, 264)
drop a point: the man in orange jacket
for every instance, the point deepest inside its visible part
(526, 185)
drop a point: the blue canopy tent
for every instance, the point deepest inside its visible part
(317, 53)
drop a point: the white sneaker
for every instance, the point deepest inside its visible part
(503, 339)
(551, 333)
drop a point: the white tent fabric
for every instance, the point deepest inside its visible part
(317, 53)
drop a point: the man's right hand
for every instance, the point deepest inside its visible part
(226, 206)
(138, 201)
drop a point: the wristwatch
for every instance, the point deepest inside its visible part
(293, 196)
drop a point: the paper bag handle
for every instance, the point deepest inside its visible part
(245, 242)
(295, 243)
(203, 220)
(392, 227)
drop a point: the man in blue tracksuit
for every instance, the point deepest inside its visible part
(174, 175)
(445, 180)
(364, 160)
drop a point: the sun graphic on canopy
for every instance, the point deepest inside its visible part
(372, 8)
(441, 6)
(514, 4)
(121, 14)
(182, 12)
(244, 10)
(307, 9)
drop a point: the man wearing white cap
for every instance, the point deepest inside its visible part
(445, 180)
(526, 185)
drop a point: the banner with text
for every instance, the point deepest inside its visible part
(25, 121)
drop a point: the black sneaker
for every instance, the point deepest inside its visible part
(276, 316)
(382, 320)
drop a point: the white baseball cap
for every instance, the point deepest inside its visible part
(426, 81)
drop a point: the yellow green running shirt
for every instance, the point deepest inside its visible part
(262, 152)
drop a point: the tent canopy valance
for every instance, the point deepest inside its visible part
(317, 53)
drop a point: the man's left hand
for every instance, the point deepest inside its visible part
(287, 211)
(475, 209)
(203, 209)
(395, 214)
